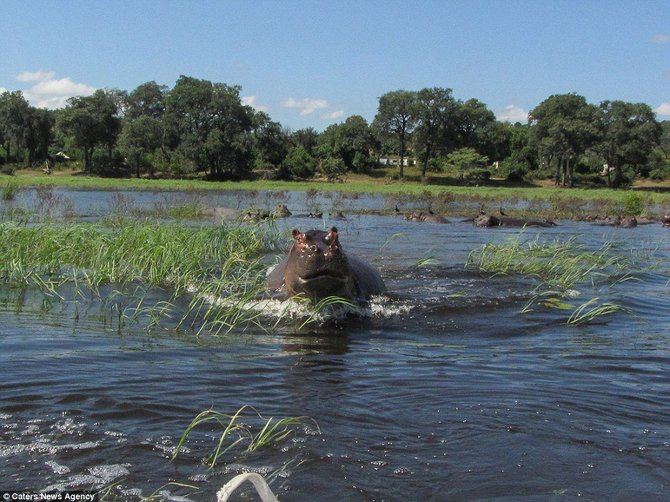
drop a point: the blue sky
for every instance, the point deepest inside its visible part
(314, 63)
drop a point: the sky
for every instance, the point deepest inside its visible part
(315, 63)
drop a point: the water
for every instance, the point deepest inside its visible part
(448, 392)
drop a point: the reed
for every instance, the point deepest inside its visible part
(247, 428)
(559, 266)
(204, 280)
(139, 256)
(591, 310)
(9, 191)
(559, 263)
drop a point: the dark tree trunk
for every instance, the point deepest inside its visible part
(402, 157)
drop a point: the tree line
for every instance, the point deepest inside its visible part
(202, 128)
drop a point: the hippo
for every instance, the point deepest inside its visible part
(317, 267)
(428, 217)
(666, 220)
(484, 220)
(255, 216)
(616, 221)
(281, 211)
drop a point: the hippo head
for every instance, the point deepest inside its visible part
(316, 265)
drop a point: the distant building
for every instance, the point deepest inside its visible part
(394, 161)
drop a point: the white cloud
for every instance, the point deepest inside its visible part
(513, 114)
(663, 109)
(2, 89)
(661, 38)
(306, 106)
(334, 115)
(252, 101)
(49, 92)
(34, 76)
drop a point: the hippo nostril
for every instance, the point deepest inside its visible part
(313, 248)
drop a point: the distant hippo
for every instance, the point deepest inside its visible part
(666, 220)
(255, 216)
(487, 220)
(281, 211)
(317, 267)
(616, 221)
(426, 217)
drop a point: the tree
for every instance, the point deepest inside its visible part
(435, 117)
(147, 99)
(467, 158)
(629, 134)
(396, 117)
(91, 121)
(563, 127)
(308, 138)
(13, 118)
(213, 125)
(472, 122)
(38, 134)
(350, 141)
(272, 142)
(140, 137)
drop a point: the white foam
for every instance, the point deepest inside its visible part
(379, 306)
(57, 468)
(174, 498)
(109, 472)
(241, 468)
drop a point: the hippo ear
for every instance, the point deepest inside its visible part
(331, 238)
(295, 233)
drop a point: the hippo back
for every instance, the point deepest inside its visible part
(366, 279)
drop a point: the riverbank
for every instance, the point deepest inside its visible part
(649, 199)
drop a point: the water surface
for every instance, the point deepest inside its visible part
(445, 392)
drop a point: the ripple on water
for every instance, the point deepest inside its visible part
(99, 476)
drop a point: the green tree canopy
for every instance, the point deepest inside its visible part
(91, 121)
(435, 115)
(213, 125)
(629, 134)
(13, 119)
(396, 117)
(563, 127)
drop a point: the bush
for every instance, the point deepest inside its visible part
(660, 173)
(437, 164)
(299, 162)
(478, 174)
(511, 171)
(332, 167)
(9, 169)
(633, 204)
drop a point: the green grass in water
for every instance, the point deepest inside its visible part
(560, 266)
(245, 428)
(137, 256)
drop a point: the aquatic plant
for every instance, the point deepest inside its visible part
(559, 263)
(592, 310)
(560, 266)
(9, 191)
(239, 429)
(206, 280)
(138, 256)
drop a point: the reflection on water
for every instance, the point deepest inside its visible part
(445, 391)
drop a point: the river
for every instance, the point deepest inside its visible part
(444, 391)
